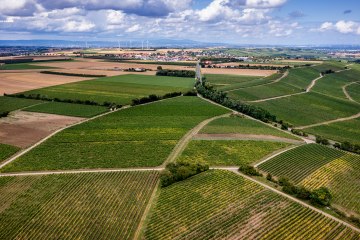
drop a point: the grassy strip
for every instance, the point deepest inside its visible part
(6, 151)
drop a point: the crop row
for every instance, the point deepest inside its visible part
(221, 205)
(298, 163)
(77, 206)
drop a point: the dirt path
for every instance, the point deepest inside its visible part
(346, 93)
(274, 154)
(292, 198)
(313, 82)
(181, 145)
(275, 81)
(278, 97)
(237, 136)
(331, 121)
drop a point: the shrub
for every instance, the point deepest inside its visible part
(175, 73)
(269, 177)
(191, 93)
(322, 140)
(249, 170)
(321, 197)
(4, 114)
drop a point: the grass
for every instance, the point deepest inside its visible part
(333, 65)
(342, 177)
(354, 91)
(265, 91)
(227, 79)
(243, 126)
(117, 89)
(7, 151)
(221, 205)
(301, 77)
(8, 104)
(309, 108)
(300, 162)
(81, 206)
(141, 136)
(22, 66)
(255, 82)
(68, 109)
(340, 131)
(229, 153)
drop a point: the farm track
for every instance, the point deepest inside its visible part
(346, 93)
(313, 82)
(256, 137)
(331, 121)
(275, 81)
(274, 154)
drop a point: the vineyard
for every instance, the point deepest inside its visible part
(298, 163)
(229, 153)
(68, 109)
(117, 89)
(8, 104)
(221, 205)
(241, 125)
(81, 206)
(6, 151)
(342, 177)
(135, 137)
(354, 91)
(301, 77)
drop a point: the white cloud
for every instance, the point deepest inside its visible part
(326, 26)
(340, 26)
(133, 28)
(74, 26)
(265, 3)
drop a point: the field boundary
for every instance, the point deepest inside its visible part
(329, 122)
(274, 154)
(346, 93)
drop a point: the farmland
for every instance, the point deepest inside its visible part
(251, 83)
(229, 152)
(340, 131)
(8, 104)
(68, 109)
(135, 137)
(298, 163)
(6, 151)
(242, 125)
(354, 91)
(301, 77)
(88, 206)
(117, 89)
(22, 66)
(219, 204)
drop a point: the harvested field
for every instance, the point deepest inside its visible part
(20, 81)
(247, 72)
(250, 64)
(22, 129)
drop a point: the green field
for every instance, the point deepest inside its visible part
(309, 108)
(301, 77)
(68, 109)
(219, 80)
(333, 65)
(22, 66)
(340, 131)
(221, 205)
(81, 206)
(229, 152)
(255, 82)
(8, 104)
(342, 177)
(7, 151)
(140, 136)
(118, 89)
(354, 91)
(300, 162)
(242, 125)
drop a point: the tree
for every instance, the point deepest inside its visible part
(159, 68)
(321, 196)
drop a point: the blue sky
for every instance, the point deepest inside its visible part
(288, 22)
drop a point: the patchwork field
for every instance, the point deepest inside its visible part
(315, 166)
(8, 104)
(6, 151)
(301, 77)
(118, 89)
(221, 205)
(229, 152)
(85, 206)
(68, 109)
(231, 71)
(23, 129)
(22, 66)
(139, 136)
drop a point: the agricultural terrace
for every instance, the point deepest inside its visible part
(68, 109)
(300, 162)
(242, 125)
(82, 206)
(309, 108)
(229, 152)
(8, 104)
(222, 205)
(6, 151)
(342, 177)
(340, 131)
(140, 136)
(117, 89)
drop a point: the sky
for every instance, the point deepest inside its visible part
(277, 22)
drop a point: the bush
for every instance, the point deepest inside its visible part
(269, 177)
(4, 114)
(355, 148)
(249, 170)
(191, 93)
(321, 197)
(322, 140)
(175, 73)
(283, 181)
(181, 170)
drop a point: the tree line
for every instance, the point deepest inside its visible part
(175, 73)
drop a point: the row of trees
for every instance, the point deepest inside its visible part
(248, 66)
(175, 73)
(207, 91)
(153, 98)
(73, 74)
(181, 170)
